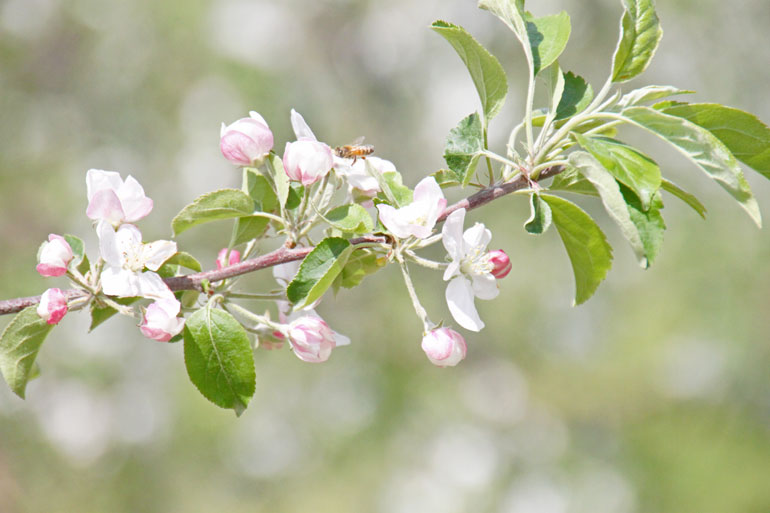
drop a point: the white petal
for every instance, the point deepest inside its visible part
(485, 286)
(452, 270)
(133, 200)
(394, 220)
(117, 281)
(459, 299)
(150, 285)
(301, 128)
(477, 236)
(340, 339)
(129, 240)
(428, 191)
(108, 244)
(155, 253)
(97, 179)
(256, 115)
(452, 235)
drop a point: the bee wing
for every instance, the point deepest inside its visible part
(357, 141)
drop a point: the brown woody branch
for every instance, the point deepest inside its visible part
(285, 254)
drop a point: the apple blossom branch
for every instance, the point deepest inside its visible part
(285, 254)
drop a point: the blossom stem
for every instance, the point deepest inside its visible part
(251, 316)
(430, 264)
(418, 308)
(256, 297)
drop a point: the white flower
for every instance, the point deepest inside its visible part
(126, 258)
(358, 177)
(470, 270)
(419, 217)
(113, 200)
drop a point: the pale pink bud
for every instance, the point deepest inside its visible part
(307, 161)
(53, 306)
(235, 257)
(501, 263)
(312, 339)
(444, 347)
(54, 256)
(161, 322)
(246, 141)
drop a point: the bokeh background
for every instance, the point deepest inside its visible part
(652, 397)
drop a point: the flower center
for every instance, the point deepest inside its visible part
(476, 262)
(132, 260)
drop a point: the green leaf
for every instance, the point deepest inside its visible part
(747, 138)
(649, 223)
(248, 228)
(394, 184)
(639, 38)
(649, 94)
(296, 191)
(548, 37)
(351, 218)
(570, 180)
(463, 148)
(702, 148)
(258, 187)
(79, 258)
(626, 164)
(221, 204)
(512, 14)
(275, 165)
(612, 199)
(19, 345)
(445, 178)
(99, 314)
(361, 264)
(577, 96)
(685, 196)
(219, 359)
(185, 260)
(487, 73)
(586, 245)
(318, 270)
(540, 218)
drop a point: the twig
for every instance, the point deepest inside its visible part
(285, 254)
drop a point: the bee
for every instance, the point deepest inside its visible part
(354, 150)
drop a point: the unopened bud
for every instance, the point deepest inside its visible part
(501, 263)
(307, 161)
(444, 347)
(161, 322)
(54, 256)
(235, 257)
(53, 306)
(312, 339)
(246, 141)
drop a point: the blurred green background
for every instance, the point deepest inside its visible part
(652, 397)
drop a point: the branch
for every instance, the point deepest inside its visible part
(285, 254)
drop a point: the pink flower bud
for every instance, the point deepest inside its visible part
(500, 262)
(444, 347)
(246, 141)
(307, 161)
(312, 339)
(54, 256)
(161, 322)
(235, 257)
(53, 306)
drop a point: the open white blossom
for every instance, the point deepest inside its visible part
(419, 217)
(470, 271)
(127, 257)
